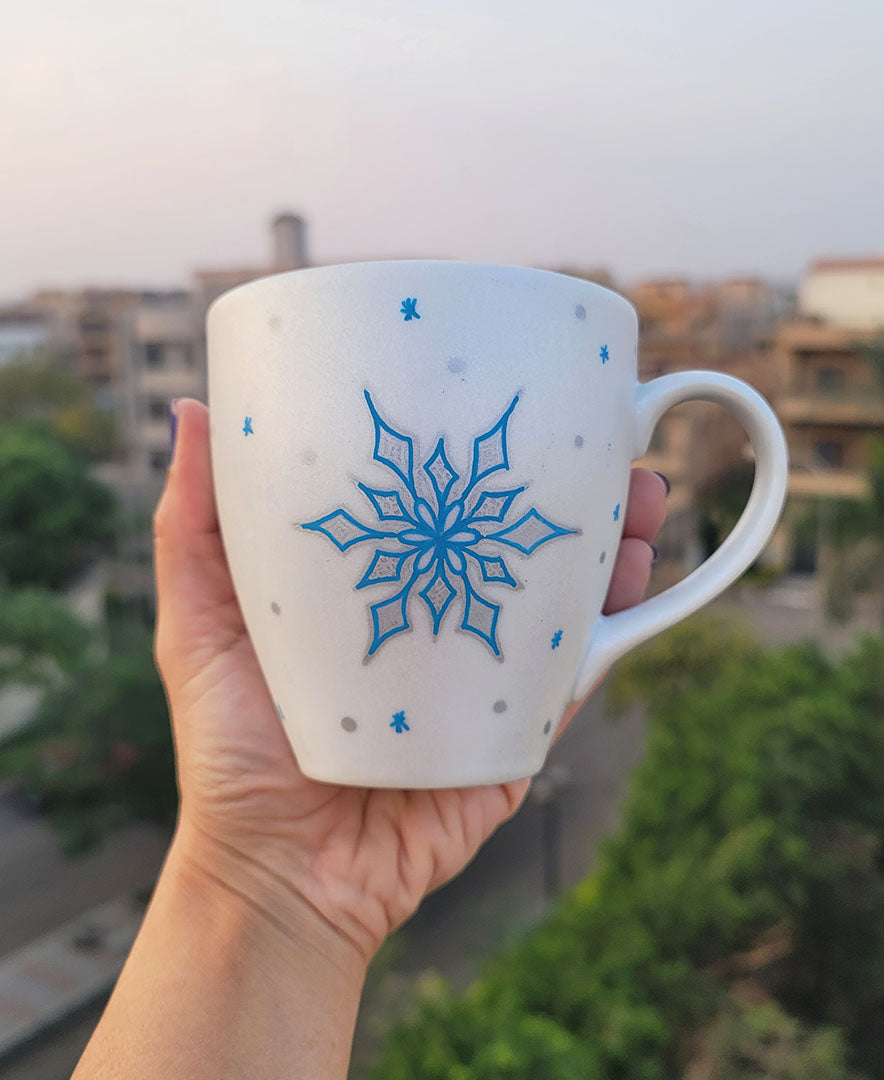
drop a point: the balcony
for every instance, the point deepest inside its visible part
(827, 484)
(852, 410)
(170, 382)
(152, 434)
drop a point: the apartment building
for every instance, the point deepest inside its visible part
(87, 332)
(830, 401)
(161, 362)
(829, 395)
(844, 292)
(23, 331)
(723, 327)
(138, 349)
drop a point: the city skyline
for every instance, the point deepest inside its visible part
(148, 142)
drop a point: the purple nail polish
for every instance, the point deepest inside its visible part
(665, 480)
(173, 427)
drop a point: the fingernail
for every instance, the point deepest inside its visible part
(173, 427)
(654, 550)
(665, 480)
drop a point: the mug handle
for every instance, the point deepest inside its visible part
(613, 635)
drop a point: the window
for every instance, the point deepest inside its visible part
(154, 354)
(830, 380)
(829, 455)
(158, 409)
(158, 461)
(91, 324)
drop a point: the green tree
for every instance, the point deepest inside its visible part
(98, 751)
(751, 1041)
(40, 639)
(54, 517)
(756, 816)
(41, 388)
(720, 504)
(857, 531)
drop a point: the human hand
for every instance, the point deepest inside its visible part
(353, 862)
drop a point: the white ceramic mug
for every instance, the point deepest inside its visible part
(422, 470)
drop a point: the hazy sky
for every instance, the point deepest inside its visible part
(140, 140)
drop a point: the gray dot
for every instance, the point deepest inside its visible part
(273, 322)
(456, 365)
(580, 311)
(578, 441)
(309, 457)
(348, 723)
(274, 607)
(602, 556)
(500, 705)
(546, 727)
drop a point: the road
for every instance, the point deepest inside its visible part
(41, 888)
(55, 1057)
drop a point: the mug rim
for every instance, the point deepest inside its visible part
(510, 269)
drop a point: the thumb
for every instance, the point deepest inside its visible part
(197, 612)
(187, 505)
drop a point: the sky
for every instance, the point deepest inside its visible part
(140, 141)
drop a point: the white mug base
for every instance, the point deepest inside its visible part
(416, 776)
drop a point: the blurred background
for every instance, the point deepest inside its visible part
(695, 887)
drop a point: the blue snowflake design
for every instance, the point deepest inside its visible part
(439, 531)
(398, 723)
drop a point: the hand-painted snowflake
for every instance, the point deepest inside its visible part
(446, 540)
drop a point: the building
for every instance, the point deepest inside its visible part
(139, 349)
(722, 327)
(830, 399)
(23, 331)
(844, 292)
(829, 395)
(161, 362)
(88, 334)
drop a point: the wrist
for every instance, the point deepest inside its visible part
(266, 910)
(228, 978)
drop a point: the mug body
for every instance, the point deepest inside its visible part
(421, 471)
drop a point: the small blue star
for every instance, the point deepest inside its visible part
(247, 427)
(409, 308)
(604, 354)
(617, 512)
(398, 722)
(557, 638)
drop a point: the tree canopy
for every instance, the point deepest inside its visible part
(54, 517)
(742, 901)
(41, 388)
(40, 639)
(98, 752)
(858, 540)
